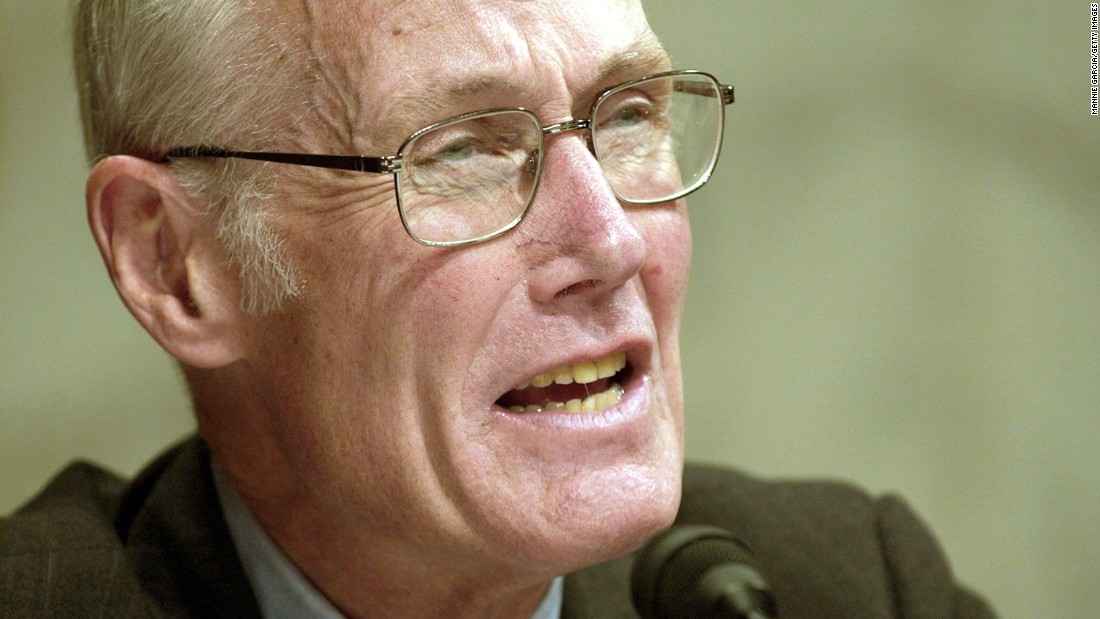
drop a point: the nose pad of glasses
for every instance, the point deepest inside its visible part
(532, 164)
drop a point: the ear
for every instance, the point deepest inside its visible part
(164, 262)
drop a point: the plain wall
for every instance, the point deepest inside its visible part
(896, 280)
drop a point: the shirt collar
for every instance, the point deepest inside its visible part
(281, 590)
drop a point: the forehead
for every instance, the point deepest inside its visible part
(391, 65)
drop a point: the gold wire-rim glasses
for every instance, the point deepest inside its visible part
(690, 82)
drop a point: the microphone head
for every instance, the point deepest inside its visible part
(699, 571)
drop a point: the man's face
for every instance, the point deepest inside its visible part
(389, 384)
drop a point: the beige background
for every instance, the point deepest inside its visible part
(896, 281)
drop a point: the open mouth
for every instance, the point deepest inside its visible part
(585, 387)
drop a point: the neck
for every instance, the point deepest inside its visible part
(380, 578)
(364, 578)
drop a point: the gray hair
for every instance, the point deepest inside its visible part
(157, 74)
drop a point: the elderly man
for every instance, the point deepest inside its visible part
(423, 265)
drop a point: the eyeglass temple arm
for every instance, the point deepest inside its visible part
(355, 163)
(725, 90)
(377, 165)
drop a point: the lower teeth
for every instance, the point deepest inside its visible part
(592, 404)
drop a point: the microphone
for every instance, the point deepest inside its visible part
(699, 572)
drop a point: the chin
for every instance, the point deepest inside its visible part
(615, 514)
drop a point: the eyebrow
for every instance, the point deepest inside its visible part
(643, 54)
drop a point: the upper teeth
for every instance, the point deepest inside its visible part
(584, 372)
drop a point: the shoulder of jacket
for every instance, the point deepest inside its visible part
(830, 548)
(74, 510)
(722, 492)
(61, 552)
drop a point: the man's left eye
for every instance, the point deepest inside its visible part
(456, 151)
(628, 116)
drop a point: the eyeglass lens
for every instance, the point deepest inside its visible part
(656, 140)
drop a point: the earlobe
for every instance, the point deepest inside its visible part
(163, 261)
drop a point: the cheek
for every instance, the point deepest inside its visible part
(454, 305)
(668, 263)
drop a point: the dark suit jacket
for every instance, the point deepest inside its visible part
(91, 545)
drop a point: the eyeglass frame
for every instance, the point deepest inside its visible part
(392, 164)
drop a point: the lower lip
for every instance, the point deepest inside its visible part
(633, 406)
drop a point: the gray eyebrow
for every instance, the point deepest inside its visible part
(432, 105)
(644, 54)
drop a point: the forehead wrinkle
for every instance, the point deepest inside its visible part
(491, 62)
(336, 38)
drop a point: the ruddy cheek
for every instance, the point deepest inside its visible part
(667, 265)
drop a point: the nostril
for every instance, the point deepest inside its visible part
(587, 284)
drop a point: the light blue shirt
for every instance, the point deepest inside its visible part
(281, 590)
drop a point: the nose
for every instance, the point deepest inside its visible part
(577, 239)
